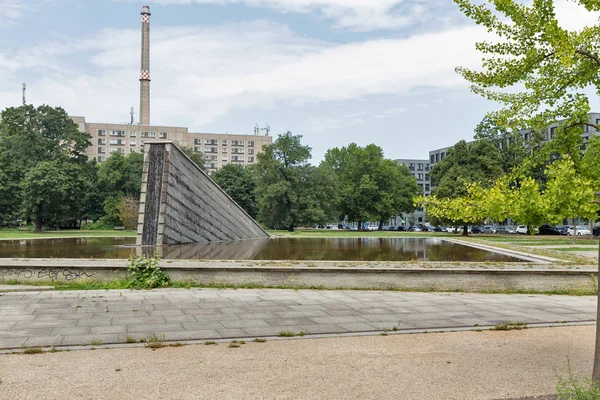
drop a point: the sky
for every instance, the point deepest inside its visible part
(334, 71)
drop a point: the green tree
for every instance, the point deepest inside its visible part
(287, 190)
(128, 208)
(118, 177)
(196, 156)
(240, 184)
(370, 186)
(511, 145)
(34, 144)
(554, 66)
(479, 161)
(568, 194)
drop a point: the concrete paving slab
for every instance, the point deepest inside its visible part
(231, 314)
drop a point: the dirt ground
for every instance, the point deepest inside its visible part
(458, 365)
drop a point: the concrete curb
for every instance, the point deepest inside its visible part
(307, 336)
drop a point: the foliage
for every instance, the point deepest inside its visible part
(128, 212)
(290, 192)
(43, 161)
(145, 273)
(480, 161)
(511, 145)
(568, 194)
(101, 224)
(239, 183)
(119, 177)
(370, 186)
(197, 157)
(463, 210)
(573, 388)
(555, 65)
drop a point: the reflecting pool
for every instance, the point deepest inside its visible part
(318, 249)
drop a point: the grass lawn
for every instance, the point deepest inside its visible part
(6, 234)
(574, 249)
(339, 233)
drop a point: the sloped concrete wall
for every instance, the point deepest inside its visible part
(180, 204)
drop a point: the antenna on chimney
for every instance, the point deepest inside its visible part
(24, 90)
(256, 130)
(131, 113)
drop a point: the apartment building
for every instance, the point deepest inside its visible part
(420, 170)
(219, 149)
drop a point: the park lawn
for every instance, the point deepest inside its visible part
(8, 234)
(340, 233)
(574, 249)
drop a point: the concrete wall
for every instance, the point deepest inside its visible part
(179, 203)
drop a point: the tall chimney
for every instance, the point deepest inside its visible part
(145, 70)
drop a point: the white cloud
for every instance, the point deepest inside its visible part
(359, 15)
(206, 73)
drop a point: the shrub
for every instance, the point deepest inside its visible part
(102, 224)
(572, 388)
(144, 273)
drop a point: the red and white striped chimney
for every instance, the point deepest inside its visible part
(145, 69)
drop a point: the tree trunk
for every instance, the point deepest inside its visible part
(38, 224)
(465, 230)
(596, 371)
(360, 225)
(380, 226)
(291, 227)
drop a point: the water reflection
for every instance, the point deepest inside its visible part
(334, 249)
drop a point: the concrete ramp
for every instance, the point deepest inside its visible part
(180, 204)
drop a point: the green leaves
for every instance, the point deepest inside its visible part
(554, 65)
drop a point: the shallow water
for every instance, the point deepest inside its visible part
(318, 249)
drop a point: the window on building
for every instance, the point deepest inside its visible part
(101, 132)
(437, 157)
(411, 166)
(211, 141)
(250, 143)
(250, 159)
(117, 133)
(210, 149)
(426, 177)
(132, 134)
(237, 158)
(432, 158)
(224, 142)
(101, 141)
(237, 142)
(442, 155)
(421, 186)
(250, 151)
(148, 134)
(224, 151)
(420, 167)
(101, 150)
(162, 135)
(132, 142)
(427, 187)
(420, 177)
(586, 128)
(197, 141)
(101, 158)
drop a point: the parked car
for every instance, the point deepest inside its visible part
(581, 231)
(522, 229)
(505, 230)
(439, 229)
(426, 228)
(596, 231)
(450, 229)
(414, 229)
(392, 228)
(401, 229)
(548, 230)
(490, 229)
(477, 229)
(561, 229)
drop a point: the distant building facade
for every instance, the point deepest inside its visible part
(219, 149)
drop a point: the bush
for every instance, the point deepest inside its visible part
(572, 388)
(102, 224)
(144, 273)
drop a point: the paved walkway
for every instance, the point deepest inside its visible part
(115, 316)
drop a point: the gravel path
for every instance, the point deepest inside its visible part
(460, 365)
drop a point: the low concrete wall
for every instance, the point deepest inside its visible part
(180, 204)
(224, 273)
